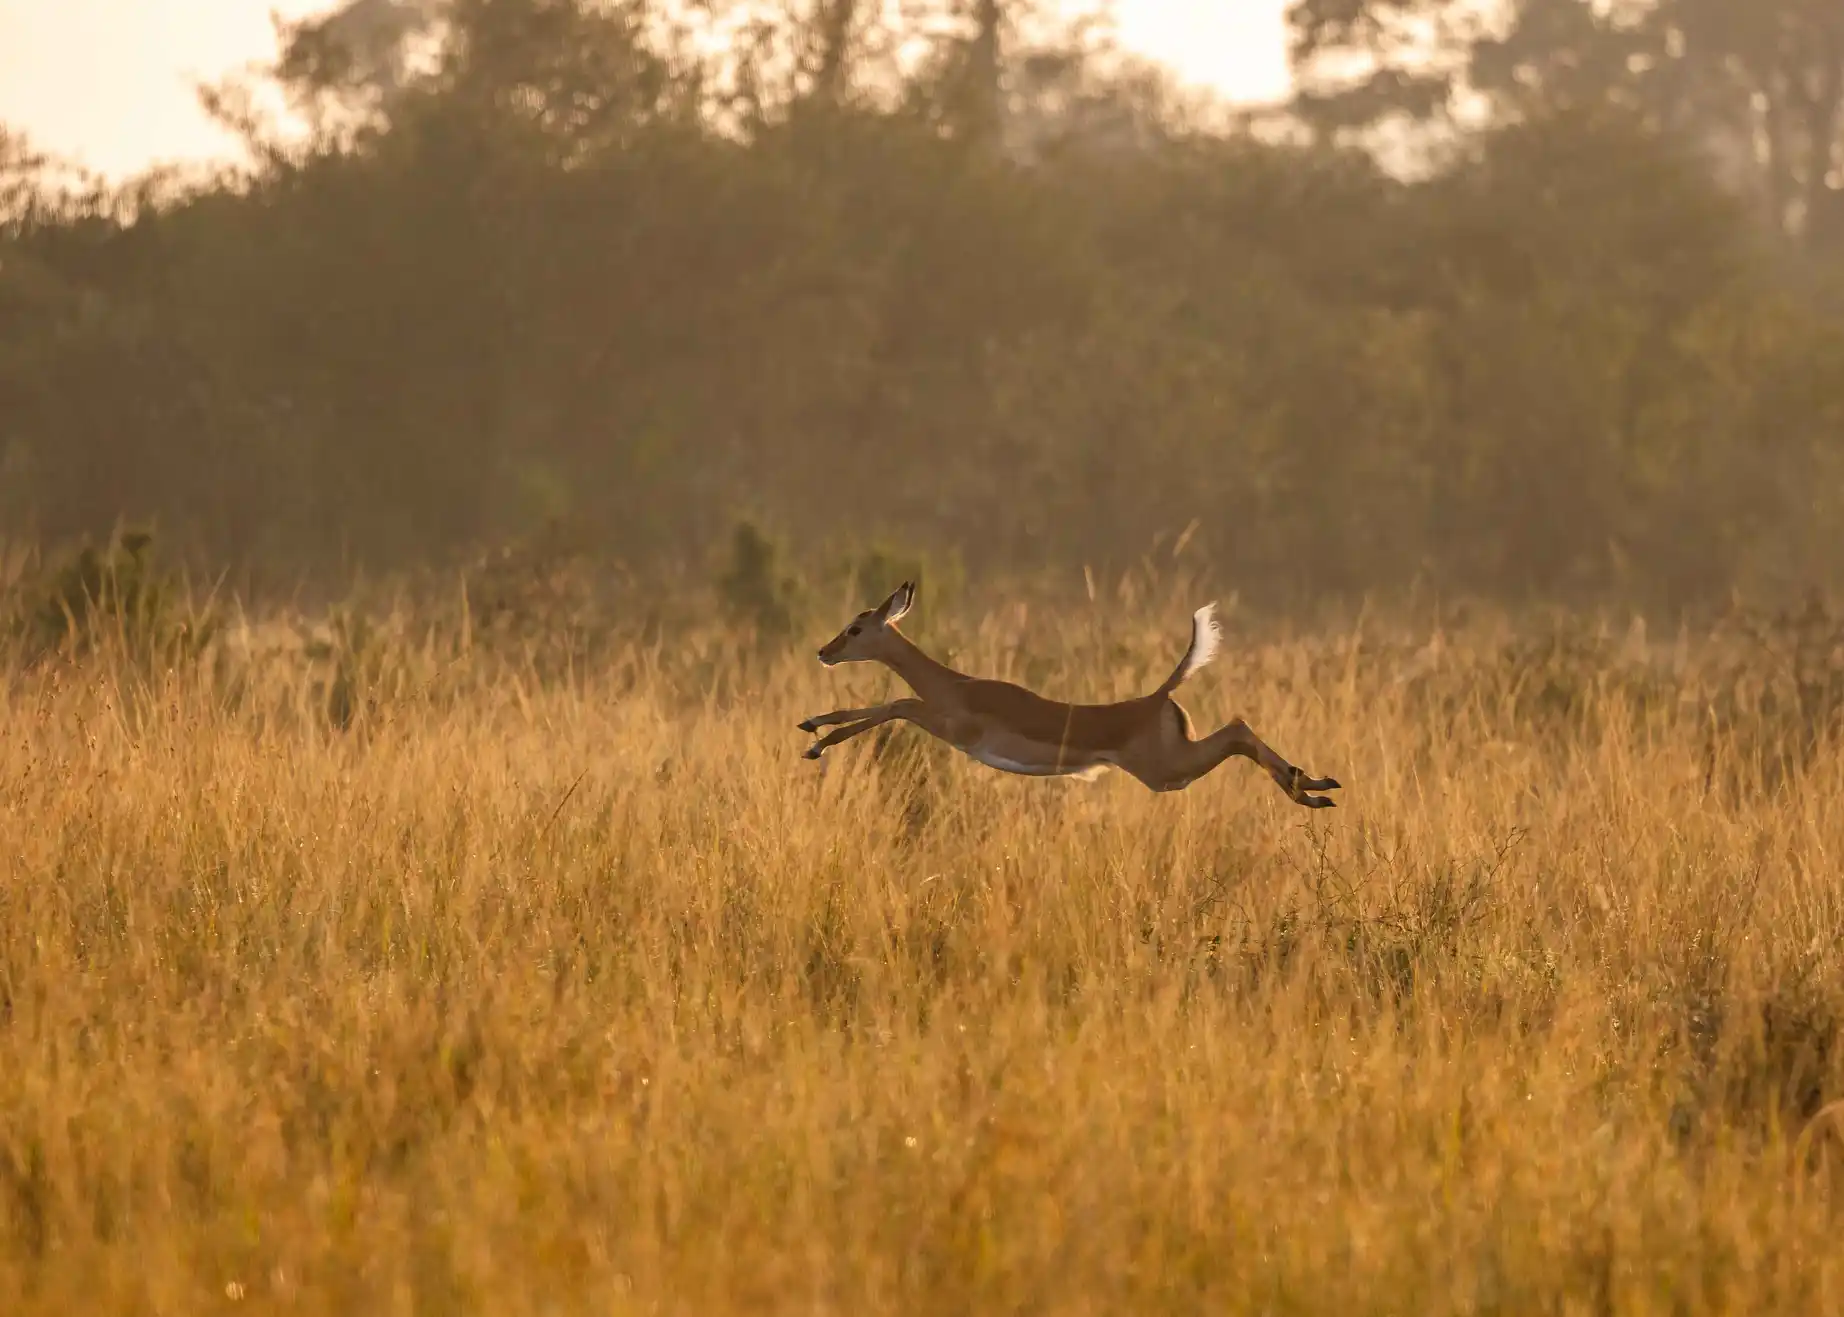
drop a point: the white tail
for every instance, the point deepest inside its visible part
(1206, 638)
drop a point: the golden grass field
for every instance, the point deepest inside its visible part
(583, 993)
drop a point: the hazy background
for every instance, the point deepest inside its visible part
(112, 84)
(964, 276)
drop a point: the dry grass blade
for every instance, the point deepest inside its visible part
(312, 1021)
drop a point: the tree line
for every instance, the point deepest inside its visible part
(960, 276)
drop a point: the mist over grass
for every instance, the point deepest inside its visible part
(425, 906)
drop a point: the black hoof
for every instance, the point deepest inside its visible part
(812, 753)
(1318, 802)
(809, 726)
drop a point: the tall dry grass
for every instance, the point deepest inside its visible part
(507, 992)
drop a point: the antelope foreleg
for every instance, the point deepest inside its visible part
(906, 710)
(820, 720)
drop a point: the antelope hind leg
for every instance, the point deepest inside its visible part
(1238, 738)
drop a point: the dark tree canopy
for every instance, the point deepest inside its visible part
(1757, 86)
(949, 275)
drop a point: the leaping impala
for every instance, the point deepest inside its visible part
(1012, 729)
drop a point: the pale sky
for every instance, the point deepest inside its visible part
(107, 84)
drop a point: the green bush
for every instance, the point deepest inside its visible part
(116, 596)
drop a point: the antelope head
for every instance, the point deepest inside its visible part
(867, 637)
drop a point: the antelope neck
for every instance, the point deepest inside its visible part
(924, 674)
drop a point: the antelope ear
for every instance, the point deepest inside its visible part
(899, 603)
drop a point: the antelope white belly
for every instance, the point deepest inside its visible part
(995, 757)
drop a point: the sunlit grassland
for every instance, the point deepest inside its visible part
(579, 991)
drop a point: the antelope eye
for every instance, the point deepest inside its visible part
(855, 629)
